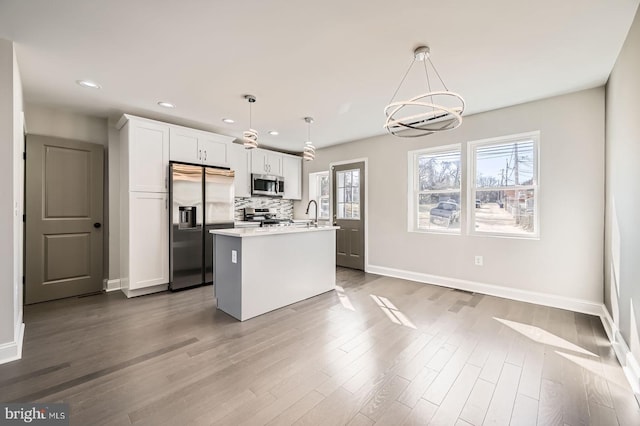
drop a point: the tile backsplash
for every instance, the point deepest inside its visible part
(283, 207)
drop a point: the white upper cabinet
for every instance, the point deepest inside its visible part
(239, 160)
(197, 147)
(266, 162)
(292, 173)
(146, 152)
(184, 146)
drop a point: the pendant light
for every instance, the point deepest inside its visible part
(430, 112)
(250, 137)
(309, 153)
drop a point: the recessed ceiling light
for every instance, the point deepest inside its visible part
(166, 104)
(228, 120)
(274, 133)
(88, 83)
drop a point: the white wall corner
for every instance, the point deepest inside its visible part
(629, 363)
(554, 301)
(111, 285)
(12, 351)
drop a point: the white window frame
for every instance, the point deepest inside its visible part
(472, 189)
(413, 192)
(314, 193)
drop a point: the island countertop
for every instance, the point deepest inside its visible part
(253, 276)
(271, 230)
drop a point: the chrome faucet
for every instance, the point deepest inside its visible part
(315, 220)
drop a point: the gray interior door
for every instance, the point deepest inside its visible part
(63, 245)
(348, 214)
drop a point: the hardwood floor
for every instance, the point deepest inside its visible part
(378, 350)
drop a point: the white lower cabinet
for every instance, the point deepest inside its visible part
(145, 246)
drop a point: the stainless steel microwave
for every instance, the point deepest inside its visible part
(267, 185)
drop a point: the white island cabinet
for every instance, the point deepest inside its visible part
(258, 270)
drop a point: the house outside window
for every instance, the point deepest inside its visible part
(434, 190)
(503, 183)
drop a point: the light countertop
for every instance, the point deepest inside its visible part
(271, 230)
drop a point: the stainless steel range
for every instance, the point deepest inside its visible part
(266, 217)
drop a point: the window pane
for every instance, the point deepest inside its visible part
(355, 210)
(324, 208)
(340, 176)
(356, 194)
(347, 178)
(438, 171)
(340, 212)
(355, 177)
(439, 211)
(506, 164)
(340, 195)
(347, 210)
(324, 186)
(507, 212)
(347, 194)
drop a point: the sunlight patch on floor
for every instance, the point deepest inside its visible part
(344, 299)
(542, 336)
(394, 314)
(595, 367)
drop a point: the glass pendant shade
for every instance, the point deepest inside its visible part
(250, 137)
(309, 151)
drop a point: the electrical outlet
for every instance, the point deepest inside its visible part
(478, 261)
(234, 256)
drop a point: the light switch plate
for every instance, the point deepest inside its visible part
(234, 256)
(479, 261)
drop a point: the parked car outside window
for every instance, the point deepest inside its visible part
(446, 210)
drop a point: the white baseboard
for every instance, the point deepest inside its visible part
(629, 363)
(144, 291)
(13, 350)
(111, 285)
(571, 304)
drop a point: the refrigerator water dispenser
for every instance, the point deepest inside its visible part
(187, 217)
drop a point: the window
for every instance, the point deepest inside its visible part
(348, 194)
(319, 191)
(504, 185)
(434, 189)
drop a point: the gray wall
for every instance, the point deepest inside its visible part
(622, 236)
(566, 261)
(11, 190)
(50, 121)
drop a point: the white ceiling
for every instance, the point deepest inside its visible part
(338, 61)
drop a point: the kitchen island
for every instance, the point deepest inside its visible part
(258, 270)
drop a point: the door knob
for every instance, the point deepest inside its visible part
(97, 225)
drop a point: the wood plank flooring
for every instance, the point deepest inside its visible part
(378, 351)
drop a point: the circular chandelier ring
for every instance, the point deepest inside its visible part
(404, 123)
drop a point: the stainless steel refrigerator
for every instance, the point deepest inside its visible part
(201, 199)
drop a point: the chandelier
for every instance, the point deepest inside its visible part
(434, 111)
(250, 137)
(309, 153)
